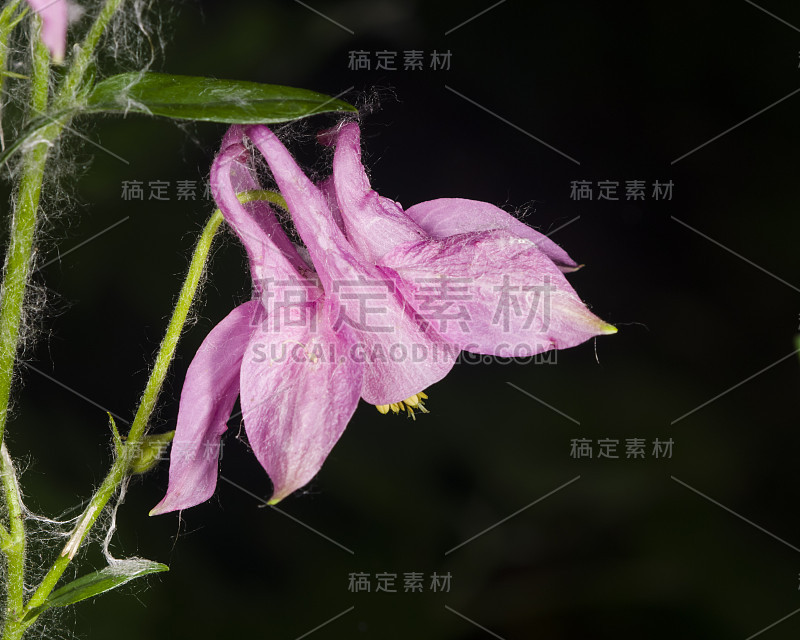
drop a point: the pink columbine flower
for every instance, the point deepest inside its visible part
(54, 15)
(300, 356)
(503, 280)
(346, 318)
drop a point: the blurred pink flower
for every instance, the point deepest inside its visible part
(54, 25)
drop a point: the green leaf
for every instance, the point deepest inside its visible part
(94, 584)
(207, 99)
(190, 98)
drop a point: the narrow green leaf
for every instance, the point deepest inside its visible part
(190, 98)
(208, 99)
(98, 582)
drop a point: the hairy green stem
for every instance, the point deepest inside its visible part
(16, 273)
(130, 448)
(23, 226)
(119, 470)
(15, 627)
(171, 337)
(12, 298)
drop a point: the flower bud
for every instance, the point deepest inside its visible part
(150, 451)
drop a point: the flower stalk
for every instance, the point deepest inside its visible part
(120, 469)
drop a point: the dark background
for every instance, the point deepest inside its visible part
(626, 550)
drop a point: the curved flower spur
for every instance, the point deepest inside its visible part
(359, 323)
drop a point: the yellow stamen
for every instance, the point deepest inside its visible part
(413, 401)
(409, 405)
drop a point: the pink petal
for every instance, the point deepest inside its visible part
(493, 292)
(448, 216)
(54, 25)
(209, 392)
(401, 356)
(299, 391)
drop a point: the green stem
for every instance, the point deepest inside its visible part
(23, 226)
(171, 337)
(12, 293)
(120, 468)
(12, 298)
(40, 74)
(14, 544)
